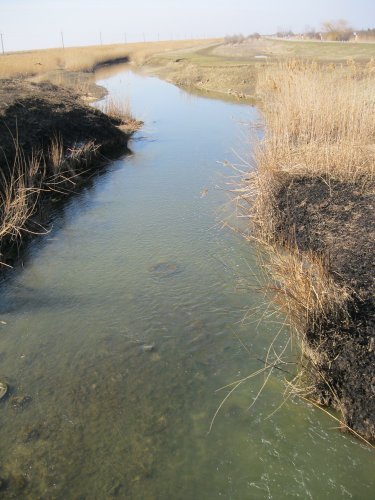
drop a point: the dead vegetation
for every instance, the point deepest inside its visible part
(309, 206)
(74, 59)
(19, 195)
(320, 120)
(120, 111)
(32, 176)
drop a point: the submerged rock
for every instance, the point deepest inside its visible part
(148, 348)
(165, 269)
(19, 402)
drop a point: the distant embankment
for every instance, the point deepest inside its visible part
(38, 62)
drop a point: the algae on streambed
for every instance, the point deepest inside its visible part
(107, 417)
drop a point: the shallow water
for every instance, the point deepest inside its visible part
(126, 319)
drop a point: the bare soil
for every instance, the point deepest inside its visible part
(337, 221)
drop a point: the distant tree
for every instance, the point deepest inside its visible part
(254, 36)
(311, 33)
(337, 31)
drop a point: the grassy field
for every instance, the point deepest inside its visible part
(281, 49)
(233, 69)
(30, 63)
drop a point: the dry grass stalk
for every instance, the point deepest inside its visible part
(121, 112)
(21, 187)
(23, 182)
(320, 120)
(303, 289)
(56, 154)
(118, 109)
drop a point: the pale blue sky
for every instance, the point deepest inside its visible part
(28, 24)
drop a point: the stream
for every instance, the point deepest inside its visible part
(125, 320)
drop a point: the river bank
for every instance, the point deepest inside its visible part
(311, 205)
(50, 141)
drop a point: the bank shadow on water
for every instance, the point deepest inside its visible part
(128, 318)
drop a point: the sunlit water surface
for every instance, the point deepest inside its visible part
(127, 317)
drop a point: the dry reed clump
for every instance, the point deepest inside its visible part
(19, 194)
(23, 183)
(64, 167)
(319, 120)
(120, 111)
(304, 290)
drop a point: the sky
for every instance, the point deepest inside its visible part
(31, 24)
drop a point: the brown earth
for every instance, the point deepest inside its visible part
(337, 221)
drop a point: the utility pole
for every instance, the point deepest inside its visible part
(124, 37)
(62, 40)
(100, 36)
(144, 37)
(2, 43)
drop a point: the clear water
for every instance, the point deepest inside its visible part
(137, 259)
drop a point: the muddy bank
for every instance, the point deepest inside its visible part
(50, 141)
(336, 221)
(205, 72)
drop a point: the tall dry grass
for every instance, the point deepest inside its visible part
(319, 120)
(82, 58)
(71, 59)
(118, 108)
(29, 177)
(19, 194)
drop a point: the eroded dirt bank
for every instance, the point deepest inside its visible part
(311, 201)
(336, 221)
(34, 113)
(50, 140)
